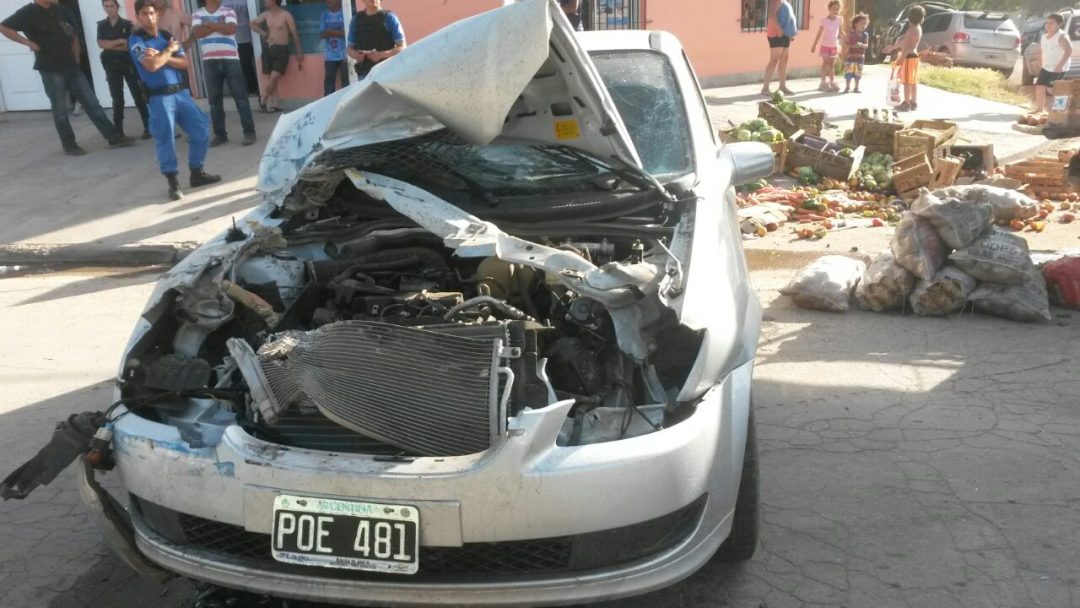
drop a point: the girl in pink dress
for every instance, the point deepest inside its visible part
(829, 36)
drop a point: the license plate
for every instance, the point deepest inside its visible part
(992, 56)
(344, 534)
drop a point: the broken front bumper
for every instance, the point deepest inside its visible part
(526, 495)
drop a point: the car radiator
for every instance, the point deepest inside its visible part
(429, 391)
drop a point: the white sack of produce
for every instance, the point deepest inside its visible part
(885, 285)
(917, 247)
(825, 283)
(944, 294)
(957, 221)
(1007, 204)
(1027, 302)
(996, 257)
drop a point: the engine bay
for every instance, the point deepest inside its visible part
(377, 327)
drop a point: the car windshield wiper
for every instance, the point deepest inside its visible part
(629, 173)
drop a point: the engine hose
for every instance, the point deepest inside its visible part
(388, 259)
(503, 307)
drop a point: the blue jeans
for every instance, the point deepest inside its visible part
(71, 80)
(221, 72)
(167, 111)
(332, 70)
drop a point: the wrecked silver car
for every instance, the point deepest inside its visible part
(488, 341)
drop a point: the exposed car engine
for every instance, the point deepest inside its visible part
(387, 334)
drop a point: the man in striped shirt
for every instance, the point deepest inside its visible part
(214, 26)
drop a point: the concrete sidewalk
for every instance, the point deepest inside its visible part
(102, 206)
(115, 197)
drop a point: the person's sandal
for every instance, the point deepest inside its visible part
(262, 106)
(904, 107)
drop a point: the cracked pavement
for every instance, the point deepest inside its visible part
(904, 461)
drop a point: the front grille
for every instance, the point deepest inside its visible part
(555, 555)
(471, 559)
(314, 431)
(427, 392)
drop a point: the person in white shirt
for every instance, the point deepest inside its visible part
(214, 26)
(1055, 57)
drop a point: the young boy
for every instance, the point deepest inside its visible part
(855, 43)
(1054, 53)
(829, 35)
(332, 31)
(908, 45)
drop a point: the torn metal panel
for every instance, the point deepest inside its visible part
(529, 81)
(621, 288)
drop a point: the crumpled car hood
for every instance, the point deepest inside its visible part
(514, 74)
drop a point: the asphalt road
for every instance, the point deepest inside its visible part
(905, 461)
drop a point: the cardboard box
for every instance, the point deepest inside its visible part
(1065, 107)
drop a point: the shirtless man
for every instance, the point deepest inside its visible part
(276, 26)
(175, 21)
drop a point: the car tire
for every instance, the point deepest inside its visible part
(1007, 72)
(742, 542)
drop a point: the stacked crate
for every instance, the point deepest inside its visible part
(875, 129)
(1047, 177)
(924, 136)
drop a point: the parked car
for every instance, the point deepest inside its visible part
(978, 39)
(489, 340)
(1031, 65)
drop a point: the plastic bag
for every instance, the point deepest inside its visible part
(957, 221)
(917, 247)
(1008, 204)
(892, 94)
(885, 285)
(1026, 301)
(944, 294)
(825, 283)
(1063, 281)
(997, 257)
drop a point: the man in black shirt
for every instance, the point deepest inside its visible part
(112, 36)
(52, 34)
(375, 35)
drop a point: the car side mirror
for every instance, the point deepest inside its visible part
(749, 160)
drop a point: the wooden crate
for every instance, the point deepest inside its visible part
(946, 170)
(787, 124)
(910, 174)
(877, 135)
(979, 156)
(824, 163)
(945, 131)
(909, 142)
(779, 149)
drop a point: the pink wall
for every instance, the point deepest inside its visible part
(711, 33)
(422, 17)
(418, 18)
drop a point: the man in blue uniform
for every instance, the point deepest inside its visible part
(160, 59)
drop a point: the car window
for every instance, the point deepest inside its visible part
(642, 85)
(987, 21)
(1074, 29)
(937, 23)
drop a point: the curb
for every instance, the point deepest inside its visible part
(88, 254)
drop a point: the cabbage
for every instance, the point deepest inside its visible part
(772, 135)
(743, 135)
(758, 124)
